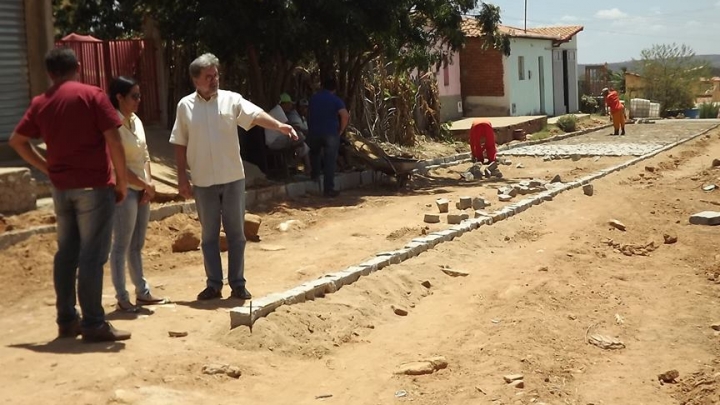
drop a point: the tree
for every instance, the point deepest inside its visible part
(671, 74)
(102, 19)
(489, 21)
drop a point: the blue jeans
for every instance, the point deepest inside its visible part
(129, 228)
(84, 228)
(222, 203)
(324, 149)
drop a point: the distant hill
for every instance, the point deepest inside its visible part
(631, 65)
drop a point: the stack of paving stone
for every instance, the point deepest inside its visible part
(479, 171)
(523, 188)
(463, 210)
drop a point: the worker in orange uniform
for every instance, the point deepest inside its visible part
(617, 110)
(482, 141)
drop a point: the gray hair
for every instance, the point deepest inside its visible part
(201, 62)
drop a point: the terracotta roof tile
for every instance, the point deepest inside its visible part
(558, 33)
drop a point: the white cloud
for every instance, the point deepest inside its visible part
(612, 14)
(568, 18)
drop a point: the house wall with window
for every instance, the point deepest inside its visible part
(530, 77)
(448, 82)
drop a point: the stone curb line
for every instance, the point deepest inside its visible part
(330, 283)
(344, 181)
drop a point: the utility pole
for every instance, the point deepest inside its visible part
(525, 15)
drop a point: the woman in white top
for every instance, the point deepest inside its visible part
(133, 213)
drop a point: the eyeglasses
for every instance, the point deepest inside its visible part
(136, 96)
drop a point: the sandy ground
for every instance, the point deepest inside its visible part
(538, 284)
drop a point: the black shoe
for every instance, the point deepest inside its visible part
(331, 193)
(208, 294)
(70, 330)
(241, 293)
(623, 132)
(615, 133)
(104, 333)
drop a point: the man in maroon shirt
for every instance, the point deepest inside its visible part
(80, 128)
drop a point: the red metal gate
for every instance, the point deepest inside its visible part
(101, 61)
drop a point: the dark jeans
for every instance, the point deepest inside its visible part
(84, 231)
(324, 149)
(222, 203)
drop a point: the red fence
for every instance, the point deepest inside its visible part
(101, 61)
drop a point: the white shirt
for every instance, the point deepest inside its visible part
(209, 130)
(132, 134)
(270, 134)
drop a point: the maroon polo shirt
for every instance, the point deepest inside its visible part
(71, 118)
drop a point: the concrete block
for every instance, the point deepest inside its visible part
(348, 276)
(188, 208)
(295, 190)
(376, 263)
(442, 204)
(431, 218)
(165, 211)
(367, 177)
(294, 296)
(465, 203)
(706, 218)
(241, 316)
(318, 288)
(313, 187)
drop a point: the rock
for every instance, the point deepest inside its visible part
(423, 367)
(606, 342)
(670, 239)
(519, 166)
(479, 203)
(512, 377)
(399, 311)
(504, 197)
(442, 204)
(454, 273)
(252, 226)
(715, 163)
(174, 334)
(544, 269)
(709, 187)
(556, 179)
(465, 203)
(432, 218)
(518, 384)
(617, 224)
(492, 166)
(233, 372)
(214, 369)
(575, 157)
(223, 242)
(477, 171)
(292, 224)
(706, 218)
(272, 248)
(523, 190)
(187, 241)
(650, 169)
(669, 376)
(535, 183)
(467, 176)
(426, 284)
(588, 190)
(715, 326)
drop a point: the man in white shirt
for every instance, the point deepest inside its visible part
(206, 142)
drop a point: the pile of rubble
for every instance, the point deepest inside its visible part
(479, 171)
(463, 206)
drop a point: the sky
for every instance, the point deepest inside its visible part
(617, 31)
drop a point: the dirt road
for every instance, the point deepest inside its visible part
(539, 284)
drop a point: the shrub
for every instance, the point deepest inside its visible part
(588, 104)
(568, 123)
(709, 110)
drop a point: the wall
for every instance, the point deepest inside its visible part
(525, 94)
(483, 81)
(450, 94)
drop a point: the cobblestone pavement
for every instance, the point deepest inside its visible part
(640, 139)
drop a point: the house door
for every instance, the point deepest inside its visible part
(15, 95)
(541, 80)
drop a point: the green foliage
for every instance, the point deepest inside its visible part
(100, 18)
(709, 110)
(671, 74)
(588, 104)
(489, 19)
(568, 123)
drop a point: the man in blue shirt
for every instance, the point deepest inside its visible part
(327, 119)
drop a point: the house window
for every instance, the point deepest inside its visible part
(446, 75)
(521, 68)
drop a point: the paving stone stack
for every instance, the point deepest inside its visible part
(17, 190)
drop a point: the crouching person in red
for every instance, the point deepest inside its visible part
(482, 141)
